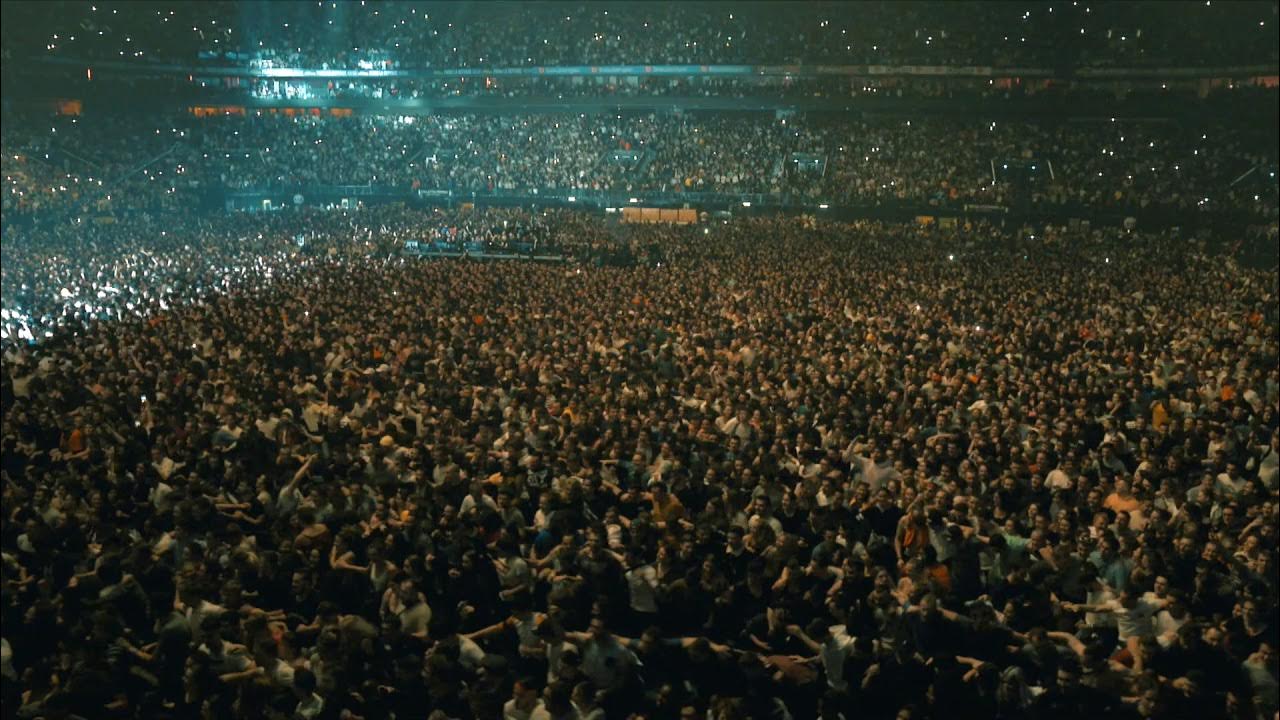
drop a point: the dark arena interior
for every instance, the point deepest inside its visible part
(640, 360)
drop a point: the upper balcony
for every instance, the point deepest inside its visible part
(1066, 37)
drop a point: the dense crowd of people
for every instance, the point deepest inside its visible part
(165, 163)
(1124, 96)
(65, 274)
(450, 35)
(796, 469)
(611, 87)
(766, 87)
(468, 463)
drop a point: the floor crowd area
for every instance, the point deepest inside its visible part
(274, 467)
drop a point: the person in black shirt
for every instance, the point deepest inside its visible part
(737, 558)
(883, 516)
(794, 520)
(882, 519)
(898, 673)
(1068, 699)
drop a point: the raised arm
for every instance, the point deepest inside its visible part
(1082, 607)
(1071, 641)
(343, 561)
(798, 633)
(302, 471)
(490, 631)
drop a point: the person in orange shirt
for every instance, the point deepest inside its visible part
(74, 445)
(1159, 415)
(938, 573)
(667, 508)
(913, 534)
(1121, 499)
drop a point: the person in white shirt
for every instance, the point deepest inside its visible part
(1098, 594)
(1230, 483)
(290, 497)
(586, 703)
(416, 619)
(833, 646)
(310, 704)
(1259, 668)
(1159, 590)
(613, 529)
(1063, 476)
(273, 668)
(6, 661)
(1269, 465)
(160, 496)
(1134, 618)
(1170, 620)
(225, 656)
(759, 511)
(475, 501)
(642, 583)
(524, 703)
(876, 471)
(189, 602)
(164, 465)
(556, 646)
(542, 516)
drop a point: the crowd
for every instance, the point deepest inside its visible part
(795, 469)
(96, 164)
(160, 164)
(1159, 95)
(785, 86)
(66, 274)
(289, 466)
(503, 34)
(609, 87)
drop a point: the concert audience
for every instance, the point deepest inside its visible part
(503, 34)
(931, 161)
(786, 470)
